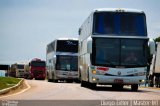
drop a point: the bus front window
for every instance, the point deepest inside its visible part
(67, 63)
(133, 52)
(119, 52)
(74, 63)
(106, 51)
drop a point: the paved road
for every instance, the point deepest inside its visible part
(43, 90)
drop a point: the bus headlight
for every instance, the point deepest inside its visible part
(94, 71)
(142, 81)
(94, 79)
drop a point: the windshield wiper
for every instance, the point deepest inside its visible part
(135, 63)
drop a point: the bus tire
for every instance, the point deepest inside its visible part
(83, 83)
(134, 87)
(43, 78)
(151, 85)
(54, 80)
(69, 81)
(117, 86)
(92, 85)
(157, 81)
(77, 81)
(49, 80)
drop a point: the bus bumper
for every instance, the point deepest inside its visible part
(99, 79)
(66, 77)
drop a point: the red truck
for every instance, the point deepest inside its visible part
(36, 69)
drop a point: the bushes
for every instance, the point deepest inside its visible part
(6, 82)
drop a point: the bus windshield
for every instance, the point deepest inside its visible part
(67, 63)
(119, 52)
(38, 63)
(67, 46)
(115, 23)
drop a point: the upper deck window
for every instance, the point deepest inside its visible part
(67, 46)
(119, 23)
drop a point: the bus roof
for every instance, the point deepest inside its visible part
(118, 10)
(66, 39)
(63, 39)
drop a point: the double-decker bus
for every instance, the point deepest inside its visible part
(113, 47)
(62, 60)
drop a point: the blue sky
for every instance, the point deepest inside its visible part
(27, 26)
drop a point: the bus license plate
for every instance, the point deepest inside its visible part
(69, 75)
(118, 81)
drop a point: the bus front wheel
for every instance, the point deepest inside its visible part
(83, 83)
(92, 85)
(134, 87)
(55, 80)
(49, 80)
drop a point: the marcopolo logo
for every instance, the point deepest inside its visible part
(70, 43)
(119, 73)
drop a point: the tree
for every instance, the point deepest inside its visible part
(157, 39)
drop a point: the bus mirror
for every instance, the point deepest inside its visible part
(89, 45)
(79, 31)
(54, 59)
(152, 47)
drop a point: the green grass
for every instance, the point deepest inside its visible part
(6, 82)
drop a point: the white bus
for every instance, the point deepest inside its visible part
(62, 60)
(154, 74)
(113, 46)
